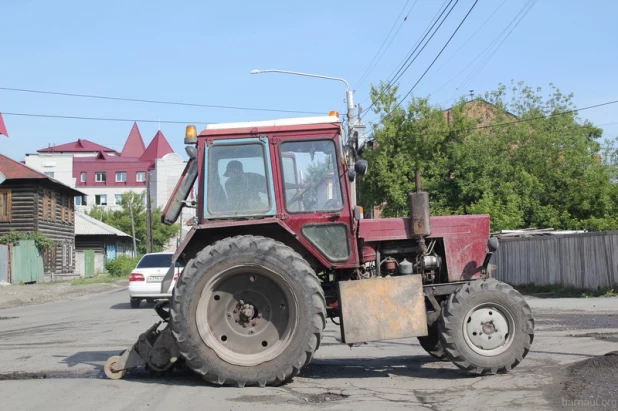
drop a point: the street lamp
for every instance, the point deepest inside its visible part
(349, 91)
(350, 103)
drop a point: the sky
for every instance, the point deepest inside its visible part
(202, 52)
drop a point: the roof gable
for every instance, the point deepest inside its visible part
(79, 146)
(86, 225)
(134, 146)
(157, 148)
(14, 170)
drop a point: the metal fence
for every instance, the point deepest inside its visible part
(588, 260)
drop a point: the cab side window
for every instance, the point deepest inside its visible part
(311, 176)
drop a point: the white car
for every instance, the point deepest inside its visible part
(145, 280)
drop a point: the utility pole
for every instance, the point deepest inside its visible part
(148, 216)
(132, 226)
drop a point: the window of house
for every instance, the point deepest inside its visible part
(49, 174)
(118, 199)
(64, 256)
(100, 199)
(78, 200)
(64, 212)
(5, 205)
(121, 176)
(49, 206)
(83, 176)
(100, 176)
(140, 176)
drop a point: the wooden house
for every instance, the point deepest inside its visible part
(31, 201)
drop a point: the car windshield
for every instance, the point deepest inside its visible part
(156, 261)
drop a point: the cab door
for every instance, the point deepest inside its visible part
(313, 199)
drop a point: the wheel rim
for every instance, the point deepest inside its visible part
(488, 329)
(247, 314)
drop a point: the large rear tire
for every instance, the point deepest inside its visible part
(487, 327)
(248, 311)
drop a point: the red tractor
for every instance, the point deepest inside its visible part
(278, 247)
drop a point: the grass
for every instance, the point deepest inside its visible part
(562, 291)
(99, 279)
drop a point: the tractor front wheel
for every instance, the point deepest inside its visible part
(487, 327)
(248, 311)
(432, 342)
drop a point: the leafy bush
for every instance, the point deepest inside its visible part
(121, 266)
(40, 239)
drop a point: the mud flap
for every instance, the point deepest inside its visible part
(382, 309)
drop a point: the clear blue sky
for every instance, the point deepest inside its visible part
(202, 52)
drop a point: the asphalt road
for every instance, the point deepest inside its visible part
(51, 357)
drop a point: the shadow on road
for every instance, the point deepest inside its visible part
(401, 366)
(127, 306)
(95, 359)
(352, 368)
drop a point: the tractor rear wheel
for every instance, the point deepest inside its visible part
(487, 327)
(248, 311)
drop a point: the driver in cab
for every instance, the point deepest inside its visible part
(243, 188)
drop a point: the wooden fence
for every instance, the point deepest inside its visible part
(21, 263)
(588, 260)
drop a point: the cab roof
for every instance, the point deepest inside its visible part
(253, 127)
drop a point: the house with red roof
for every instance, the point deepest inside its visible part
(104, 175)
(31, 201)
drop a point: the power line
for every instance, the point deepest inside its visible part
(528, 120)
(440, 53)
(484, 51)
(488, 52)
(4, 113)
(484, 63)
(407, 63)
(139, 100)
(426, 43)
(429, 25)
(467, 41)
(372, 66)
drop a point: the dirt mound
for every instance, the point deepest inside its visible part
(591, 383)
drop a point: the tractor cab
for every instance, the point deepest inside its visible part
(290, 176)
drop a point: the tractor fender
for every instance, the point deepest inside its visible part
(203, 235)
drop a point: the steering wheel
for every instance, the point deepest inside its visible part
(302, 192)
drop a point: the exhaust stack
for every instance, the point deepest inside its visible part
(420, 226)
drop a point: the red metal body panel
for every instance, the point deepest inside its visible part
(465, 239)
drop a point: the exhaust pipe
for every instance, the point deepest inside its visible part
(418, 201)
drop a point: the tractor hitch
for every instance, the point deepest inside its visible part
(155, 349)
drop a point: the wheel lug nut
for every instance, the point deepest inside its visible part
(251, 331)
(259, 315)
(253, 324)
(235, 311)
(244, 325)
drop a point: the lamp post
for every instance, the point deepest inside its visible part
(350, 114)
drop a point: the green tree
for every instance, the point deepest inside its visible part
(536, 170)
(121, 219)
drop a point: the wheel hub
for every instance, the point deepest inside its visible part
(488, 329)
(246, 315)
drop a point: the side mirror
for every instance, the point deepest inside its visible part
(361, 167)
